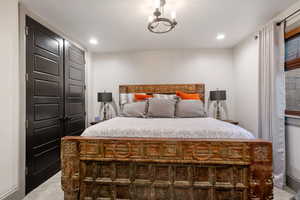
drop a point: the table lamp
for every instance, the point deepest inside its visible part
(218, 95)
(104, 97)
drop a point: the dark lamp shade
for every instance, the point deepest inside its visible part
(218, 95)
(104, 97)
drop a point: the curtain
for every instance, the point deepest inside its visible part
(272, 95)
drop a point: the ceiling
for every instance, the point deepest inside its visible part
(121, 25)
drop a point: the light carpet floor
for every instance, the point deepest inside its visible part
(51, 190)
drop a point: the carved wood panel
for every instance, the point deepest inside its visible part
(155, 169)
(125, 180)
(164, 89)
(164, 151)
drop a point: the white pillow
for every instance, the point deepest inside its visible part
(165, 96)
(127, 97)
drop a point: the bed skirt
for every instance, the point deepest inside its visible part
(161, 169)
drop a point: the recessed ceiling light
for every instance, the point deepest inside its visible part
(220, 36)
(93, 41)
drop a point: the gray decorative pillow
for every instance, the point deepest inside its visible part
(190, 108)
(136, 109)
(163, 108)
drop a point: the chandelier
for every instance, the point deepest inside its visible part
(158, 23)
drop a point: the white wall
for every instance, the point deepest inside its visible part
(213, 67)
(245, 59)
(9, 104)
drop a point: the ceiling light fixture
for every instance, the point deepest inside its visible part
(220, 36)
(157, 22)
(93, 41)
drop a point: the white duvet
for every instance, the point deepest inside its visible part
(168, 128)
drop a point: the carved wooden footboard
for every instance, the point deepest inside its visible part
(161, 169)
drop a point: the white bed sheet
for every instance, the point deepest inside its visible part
(195, 128)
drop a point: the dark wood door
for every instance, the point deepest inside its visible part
(74, 90)
(45, 103)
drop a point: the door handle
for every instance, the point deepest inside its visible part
(65, 118)
(68, 118)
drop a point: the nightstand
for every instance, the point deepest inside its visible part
(231, 122)
(93, 123)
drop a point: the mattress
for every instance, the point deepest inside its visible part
(183, 128)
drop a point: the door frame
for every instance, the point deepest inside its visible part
(19, 191)
(35, 145)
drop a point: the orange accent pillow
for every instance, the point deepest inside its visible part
(142, 97)
(187, 96)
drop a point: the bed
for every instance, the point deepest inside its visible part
(176, 159)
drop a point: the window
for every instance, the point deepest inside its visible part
(292, 72)
(293, 91)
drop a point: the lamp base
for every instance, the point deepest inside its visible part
(218, 114)
(104, 112)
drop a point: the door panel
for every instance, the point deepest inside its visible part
(75, 74)
(45, 103)
(46, 88)
(74, 90)
(46, 65)
(46, 111)
(47, 43)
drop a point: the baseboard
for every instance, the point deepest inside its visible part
(13, 194)
(293, 183)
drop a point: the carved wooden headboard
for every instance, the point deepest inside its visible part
(164, 89)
